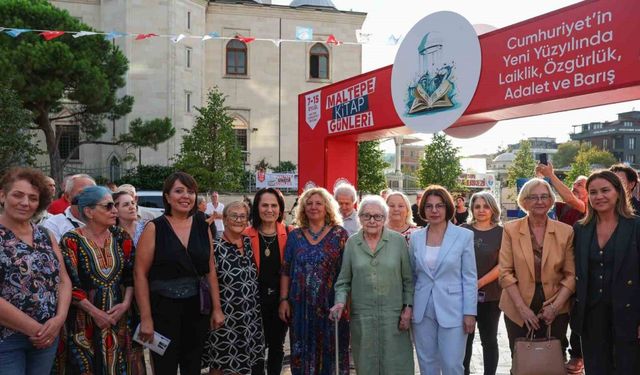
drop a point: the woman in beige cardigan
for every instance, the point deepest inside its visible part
(537, 272)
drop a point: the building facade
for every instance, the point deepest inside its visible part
(261, 79)
(619, 137)
(539, 145)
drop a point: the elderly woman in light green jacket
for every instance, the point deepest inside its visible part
(376, 271)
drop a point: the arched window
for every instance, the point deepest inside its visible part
(236, 58)
(114, 169)
(319, 62)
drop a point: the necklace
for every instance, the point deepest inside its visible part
(267, 244)
(315, 235)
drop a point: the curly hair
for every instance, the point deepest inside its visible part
(331, 206)
(33, 176)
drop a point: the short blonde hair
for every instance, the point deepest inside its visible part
(530, 185)
(407, 203)
(331, 206)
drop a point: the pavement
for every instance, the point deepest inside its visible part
(504, 365)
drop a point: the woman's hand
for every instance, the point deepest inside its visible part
(548, 314)
(48, 333)
(284, 311)
(530, 319)
(117, 311)
(217, 319)
(405, 319)
(469, 324)
(103, 320)
(146, 330)
(336, 311)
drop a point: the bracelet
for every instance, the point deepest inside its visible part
(553, 307)
(285, 298)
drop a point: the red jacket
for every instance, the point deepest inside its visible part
(58, 206)
(281, 232)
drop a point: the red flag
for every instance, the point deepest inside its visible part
(245, 39)
(48, 35)
(145, 36)
(332, 40)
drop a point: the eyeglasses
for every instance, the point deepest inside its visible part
(237, 217)
(437, 206)
(535, 198)
(107, 206)
(376, 217)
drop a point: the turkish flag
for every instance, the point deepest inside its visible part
(145, 36)
(332, 40)
(48, 35)
(245, 39)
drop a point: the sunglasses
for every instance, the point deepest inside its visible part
(107, 206)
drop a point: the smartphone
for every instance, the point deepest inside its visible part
(543, 159)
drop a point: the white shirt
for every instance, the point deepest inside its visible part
(62, 223)
(210, 210)
(431, 257)
(351, 223)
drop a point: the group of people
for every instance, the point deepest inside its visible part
(352, 277)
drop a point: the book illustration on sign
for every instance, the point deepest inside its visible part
(435, 89)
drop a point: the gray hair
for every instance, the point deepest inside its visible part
(68, 187)
(407, 203)
(233, 205)
(530, 185)
(346, 189)
(374, 200)
(127, 188)
(491, 201)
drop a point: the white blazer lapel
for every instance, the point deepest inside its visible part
(421, 250)
(448, 241)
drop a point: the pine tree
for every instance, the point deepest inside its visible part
(210, 151)
(523, 166)
(441, 164)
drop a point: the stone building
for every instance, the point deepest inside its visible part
(261, 79)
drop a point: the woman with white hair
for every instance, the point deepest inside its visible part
(484, 222)
(537, 270)
(400, 215)
(377, 275)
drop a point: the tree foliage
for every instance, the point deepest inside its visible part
(441, 164)
(371, 167)
(284, 167)
(523, 165)
(566, 154)
(148, 133)
(588, 157)
(210, 151)
(147, 177)
(17, 143)
(71, 79)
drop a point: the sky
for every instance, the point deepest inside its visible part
(396, 17)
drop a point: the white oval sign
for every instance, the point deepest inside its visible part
(436, 72)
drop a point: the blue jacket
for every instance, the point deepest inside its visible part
(453, 283)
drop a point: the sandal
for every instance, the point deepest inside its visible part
(575, 365)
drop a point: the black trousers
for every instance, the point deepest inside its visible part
(573, 344)
(179, 320)
(604, 354)
(487, 319)
(275, 331)
(558, 327)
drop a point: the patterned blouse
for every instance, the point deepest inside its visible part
(29, 276)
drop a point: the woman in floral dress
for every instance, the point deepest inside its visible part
(99, 257)
(312, 260)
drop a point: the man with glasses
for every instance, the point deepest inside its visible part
(70, 219)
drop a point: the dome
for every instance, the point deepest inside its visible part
(312, 3)
(507, 156)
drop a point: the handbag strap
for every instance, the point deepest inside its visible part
(531, 333)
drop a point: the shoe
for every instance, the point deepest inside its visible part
(575, 366)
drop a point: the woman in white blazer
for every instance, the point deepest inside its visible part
(445, 298)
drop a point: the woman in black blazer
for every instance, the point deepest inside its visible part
(607, 254)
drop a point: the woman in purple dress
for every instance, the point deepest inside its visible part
(312, 260)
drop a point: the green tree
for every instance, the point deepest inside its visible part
(148, 133)
(210, 151)
(523, 166)
(73, 79)
(586, 158)
(147, 177)
(371, 167)
(441, 164)
(285, 166)
(566, 154)
(17, 143)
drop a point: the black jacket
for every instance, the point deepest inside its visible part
(626, 277)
